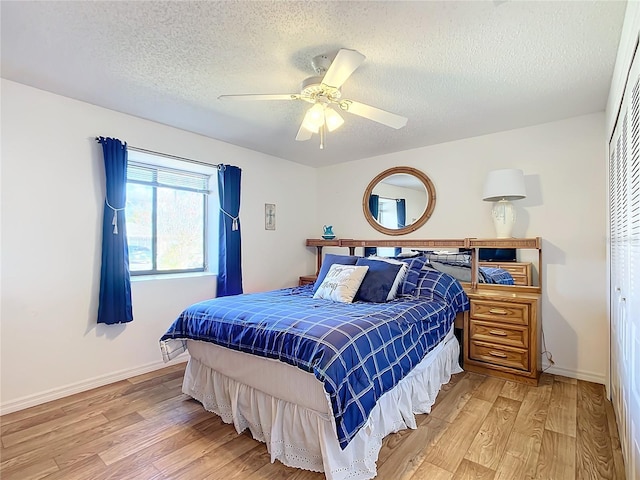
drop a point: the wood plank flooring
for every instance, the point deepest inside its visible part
(480, 428)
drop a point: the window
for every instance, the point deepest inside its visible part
(166, 214)
(388, 217)
(388, 212)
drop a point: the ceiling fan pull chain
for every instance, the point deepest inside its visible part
(322, 137)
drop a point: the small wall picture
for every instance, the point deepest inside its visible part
(269, 216)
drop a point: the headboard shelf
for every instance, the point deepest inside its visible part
(531, 243)
(318, 242)
(471, 243)
(407, 243)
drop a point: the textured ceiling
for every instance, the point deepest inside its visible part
(456, 69)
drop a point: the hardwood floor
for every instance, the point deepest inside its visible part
(480, 428)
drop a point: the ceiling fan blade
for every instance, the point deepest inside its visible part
(372, 113)
(342, 67)
(303, 134)
(251, 96)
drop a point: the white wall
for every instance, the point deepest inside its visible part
(566, 206)
(52, 197)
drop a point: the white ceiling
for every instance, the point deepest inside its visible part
(456, 69)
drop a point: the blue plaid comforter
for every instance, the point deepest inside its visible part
(358, 350)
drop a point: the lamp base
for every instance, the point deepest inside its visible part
(504, 218)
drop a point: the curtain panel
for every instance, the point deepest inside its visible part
(115, 283)
(229, 245)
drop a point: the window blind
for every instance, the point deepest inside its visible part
(167, 177)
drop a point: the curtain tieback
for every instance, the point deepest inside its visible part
(114, 222)
(234, 220)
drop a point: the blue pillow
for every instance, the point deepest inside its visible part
(377, 283)
(330, 259)
(411, 278)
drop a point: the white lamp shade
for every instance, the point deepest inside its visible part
(504, 184)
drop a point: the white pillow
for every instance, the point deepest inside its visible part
(399, 277)
(341, 283)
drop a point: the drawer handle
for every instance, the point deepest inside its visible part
(498, 311)
(500, 333)
(497, 354)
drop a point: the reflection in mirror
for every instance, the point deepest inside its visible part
(399, 200)
(402, 199)
(523, 266)
(512, 268)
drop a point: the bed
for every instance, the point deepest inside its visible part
(322, 382)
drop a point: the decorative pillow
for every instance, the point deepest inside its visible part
(341, 283)
(378, 283)
(411, 278)
(331, 259)
(404, 267)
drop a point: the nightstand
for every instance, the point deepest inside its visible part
(306, 279)
(501, 332)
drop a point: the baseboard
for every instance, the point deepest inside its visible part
(61, 392)
(579, 375)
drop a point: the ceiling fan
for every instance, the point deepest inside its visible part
(324, 91)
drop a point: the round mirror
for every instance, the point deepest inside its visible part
(399, 201)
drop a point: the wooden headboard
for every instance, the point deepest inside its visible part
(472, 244)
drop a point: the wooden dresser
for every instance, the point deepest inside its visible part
(520, 271)
(501, 332)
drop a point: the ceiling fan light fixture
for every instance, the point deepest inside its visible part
(314, 118)
(333, 119)
(324, 90)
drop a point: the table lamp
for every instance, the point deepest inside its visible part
(501, 187)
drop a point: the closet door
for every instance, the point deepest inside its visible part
(618, 259)
(624, 244)
(633, 299)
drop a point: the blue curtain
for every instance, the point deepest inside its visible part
(374, 202)
(115, 282)
(401, 212)
(230, 255)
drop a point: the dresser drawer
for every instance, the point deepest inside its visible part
(514, 269)
(512, 335)
(520, 279)
(502, 312)
(499, 355)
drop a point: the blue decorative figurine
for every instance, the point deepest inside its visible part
(328, 232)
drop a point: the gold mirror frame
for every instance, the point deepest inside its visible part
(431, 200)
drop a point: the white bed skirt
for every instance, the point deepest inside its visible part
(305, 438)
